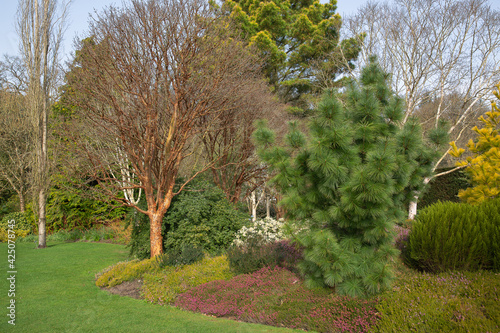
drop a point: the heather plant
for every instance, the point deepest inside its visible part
(445, 302)
(124, 271)
(163, 286)
(456, 236)
(350, 179)
(254, 255)
(275, 296)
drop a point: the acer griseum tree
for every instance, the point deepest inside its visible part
(154, 80)
(436, 50)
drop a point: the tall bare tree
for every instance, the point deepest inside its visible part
(434, 49)
(16, 146)
(155, 79)
(40, 26)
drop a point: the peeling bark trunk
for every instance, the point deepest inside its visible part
(155, 234)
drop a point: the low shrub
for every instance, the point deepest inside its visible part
(200, 216)
(18, 234)
(456, 236)
(17, 222)
(446, 302)
(266, 230)
(277, 297)
(21, 221)
(124, 271)
(254, 255)
(188, 255)
(163, 286)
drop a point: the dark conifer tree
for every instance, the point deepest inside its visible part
(347, 182)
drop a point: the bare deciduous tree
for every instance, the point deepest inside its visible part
(16, 147)
(156, 79)
(434, 49)
(40, 26)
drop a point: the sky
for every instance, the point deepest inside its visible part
(78, 18)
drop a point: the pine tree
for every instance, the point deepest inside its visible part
(346, 182)
(483, 167)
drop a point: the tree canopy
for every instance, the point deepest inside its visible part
(299, 39)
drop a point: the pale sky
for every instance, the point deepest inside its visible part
(78, 17)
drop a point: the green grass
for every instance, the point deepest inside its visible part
(56, 292)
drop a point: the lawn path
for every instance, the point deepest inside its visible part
(55, 292)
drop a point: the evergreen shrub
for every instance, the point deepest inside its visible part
(21, 221)
(200, 216)
(254, 255)
(188, 255)
(444, 188)
(266, 230)
(69, 206)
(348, 179)
(456, 236)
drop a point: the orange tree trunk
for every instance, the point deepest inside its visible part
(155, 234)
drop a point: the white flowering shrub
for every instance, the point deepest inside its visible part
(266, 230)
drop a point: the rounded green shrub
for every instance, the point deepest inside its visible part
(456, 236)
(200, 216)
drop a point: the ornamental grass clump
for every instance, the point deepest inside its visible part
(277, 297)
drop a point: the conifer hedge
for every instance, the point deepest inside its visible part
(456, 236)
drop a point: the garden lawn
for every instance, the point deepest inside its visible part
(56, 292)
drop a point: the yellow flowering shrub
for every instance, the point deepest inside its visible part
(4, 234)
(124, 271)
(163, 286)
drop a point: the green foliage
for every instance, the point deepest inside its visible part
(20, 225)
(444, 188)
(447, 302)
(254, 255)
(201, 217)
(483, 166)
(456, 236)
(21, 221)
(69, 206)
(188, 255)
(348, 183)
(92, 235)
(124, 271)
(267, 230)
(297, 39)
(163, 286)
